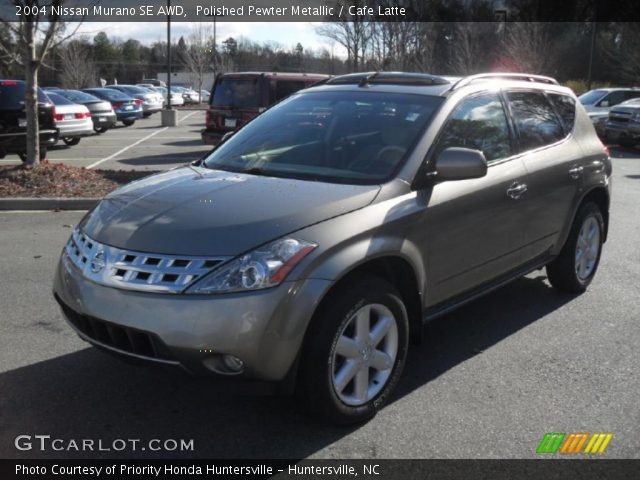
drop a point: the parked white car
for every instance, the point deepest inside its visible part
(205, 96)
(72, 120)
(598, 103)
(176, 97)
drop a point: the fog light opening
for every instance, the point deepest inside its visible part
(233, 363)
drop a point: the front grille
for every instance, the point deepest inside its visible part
(622, 117)
(126, 339)
(136, 270)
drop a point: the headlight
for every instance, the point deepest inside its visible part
(264, 267)
(636, 117)
(595, 119)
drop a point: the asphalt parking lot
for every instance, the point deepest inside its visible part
(489, 382)
(146, 145)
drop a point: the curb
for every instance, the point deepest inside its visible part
(25, 203)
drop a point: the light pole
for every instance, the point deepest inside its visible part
(169, 115)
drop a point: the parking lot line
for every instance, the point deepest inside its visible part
(138, 142)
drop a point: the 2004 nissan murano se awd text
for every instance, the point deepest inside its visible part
(311, 245)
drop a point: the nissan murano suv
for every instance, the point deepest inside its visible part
(309, 248)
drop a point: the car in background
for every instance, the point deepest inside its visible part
(176, 97)
(237, 98)
(598, 103)
(151, 101)
(102, 114)
(188, 96)
(13, 121)
(51, 89)
(154, 81)
(205, 95)
(127, 109)
(72, 119)
(623, 125)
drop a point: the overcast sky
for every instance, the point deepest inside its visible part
(288, 34)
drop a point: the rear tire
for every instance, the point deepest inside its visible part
(71, 140)
(573, 270)
(354, 352)
(99, 130)
(128, 123)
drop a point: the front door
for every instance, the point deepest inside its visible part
(475, 228)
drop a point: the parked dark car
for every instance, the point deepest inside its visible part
(13, 122)
(102, 114)
(126, 108)
(309, 247)
(237, 98)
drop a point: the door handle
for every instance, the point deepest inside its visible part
(516, 190)
(575, 172)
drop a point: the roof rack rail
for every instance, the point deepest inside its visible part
(399, 78)
(507, 76)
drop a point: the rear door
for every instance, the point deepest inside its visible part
(553, 160)
(475, 228)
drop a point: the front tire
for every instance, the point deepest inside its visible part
(573, 270)
(354, 352)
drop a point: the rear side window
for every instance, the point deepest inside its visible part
(535, 120)
(566, 108)
(237, 93)
(284, 88)
(478, 123)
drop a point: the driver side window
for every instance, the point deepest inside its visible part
(478, 123)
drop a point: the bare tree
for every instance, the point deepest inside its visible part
(528, 47)
(621, 50)
(34, 36)
(353, 33)
(78, 67)
(199, 52)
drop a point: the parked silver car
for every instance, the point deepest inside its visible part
(73, 120)
(311, 245)
(151, 100)
(623, 123)
(598, 104)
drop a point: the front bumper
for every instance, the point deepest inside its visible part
(265, 328)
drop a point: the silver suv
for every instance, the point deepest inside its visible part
(312, 245)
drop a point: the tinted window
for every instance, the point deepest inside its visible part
(565, 107)
(12, 95)
(478, 123)
(632, 94)
(284, 88)
(78, 96)
(346, 137)
(59, 99)
(109, 94)
(237, 92)
(535, 119)
(615, 98)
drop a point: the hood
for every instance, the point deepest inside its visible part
(625, 109)
(216, 213)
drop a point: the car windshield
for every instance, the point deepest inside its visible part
(77, 96)
(343, 137)
(633, 101)
(591, 97)
(237, 92)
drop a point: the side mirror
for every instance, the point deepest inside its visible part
(460, 164)
(604, 103)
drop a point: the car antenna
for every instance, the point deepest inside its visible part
(365, 80)
(191, 167)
